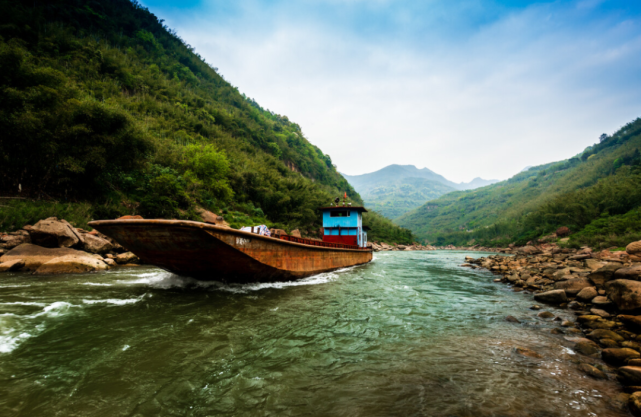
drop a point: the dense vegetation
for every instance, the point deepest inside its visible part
(597, 194)
(106, 112)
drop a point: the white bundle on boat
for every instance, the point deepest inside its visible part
(260, 230)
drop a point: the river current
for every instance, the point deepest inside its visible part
(410, 334)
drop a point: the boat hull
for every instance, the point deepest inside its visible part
(213, 253)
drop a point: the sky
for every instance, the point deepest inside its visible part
(466, 88)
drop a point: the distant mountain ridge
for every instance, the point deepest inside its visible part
(397, 189)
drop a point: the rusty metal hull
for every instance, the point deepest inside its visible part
(209, 252)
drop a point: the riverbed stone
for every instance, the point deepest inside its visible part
(604, 274)
(592, 371)
(608, 343)
(632, 321)
(545, 315)
(110, 262)
(631, 272)
(634, 403)
(619, 356)
(34, 255)
(554, 296)
(11, 240)
(527, 352)
(599, 312)
(573, 286)
(9, 266)
(625, 293)
(601, 301)
(587, 347)
(587, 293)
(630, 375)
(512, 319)
(71, 264)
(605, 334)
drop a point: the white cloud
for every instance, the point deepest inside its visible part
(531, 87)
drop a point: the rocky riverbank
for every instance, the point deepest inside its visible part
(382, 246)
(603, 289)
(53, 246)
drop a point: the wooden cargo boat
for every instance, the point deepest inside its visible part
(209, 252)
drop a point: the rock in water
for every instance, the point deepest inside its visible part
(512, 319)
(619, 356)
(11, 265)
(625, 293)
(545, 315)
(127, 258)
(95, 244)
(554, 296)
(34, 256)
(54, 233)
(592, 371)
(527, 352)
(605, 334)
(587, 348)
(71, 264)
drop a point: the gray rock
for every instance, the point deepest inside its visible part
(34, 256)
(95, 244)
(54, 233)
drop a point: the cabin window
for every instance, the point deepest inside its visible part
(339, 213)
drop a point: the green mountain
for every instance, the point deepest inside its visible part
(597, 194)
(397, 189)
(105, 111)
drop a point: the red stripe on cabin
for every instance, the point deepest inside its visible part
(345, 239)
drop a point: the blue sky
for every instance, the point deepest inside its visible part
(466, 88)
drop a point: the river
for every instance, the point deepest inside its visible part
(410, 334)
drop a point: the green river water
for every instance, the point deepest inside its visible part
(410, 334)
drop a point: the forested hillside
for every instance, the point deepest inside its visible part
(106, 112)
(597, 194)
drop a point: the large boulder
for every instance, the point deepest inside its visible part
(95, 244)
(554, 297)
(34, 256)
(573, 286)
(212, 218)
(54, 233)
(562, 231)
(625, 293)
(71, 264)
(14, 265)
(632, 272)
(295, 233)
(605, 273)
(13, 239)
(634, 248)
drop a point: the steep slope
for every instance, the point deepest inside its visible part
(397, 189)
(596, 194)
(106, 112)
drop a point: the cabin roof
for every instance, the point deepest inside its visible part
(360, 209)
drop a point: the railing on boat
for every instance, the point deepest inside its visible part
(314, 242)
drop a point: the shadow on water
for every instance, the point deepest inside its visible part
(410, 334)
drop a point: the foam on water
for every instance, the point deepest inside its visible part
(97, 284)
(24, 303)
(9, 343)
(113, 301)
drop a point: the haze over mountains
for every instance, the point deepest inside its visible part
(396, 189)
